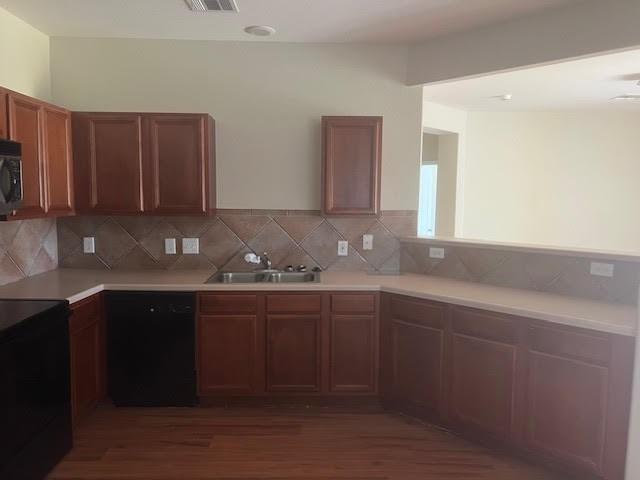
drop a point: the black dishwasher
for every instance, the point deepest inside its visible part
(151, 348)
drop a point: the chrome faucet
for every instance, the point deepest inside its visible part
(256, 259)
(266, 261)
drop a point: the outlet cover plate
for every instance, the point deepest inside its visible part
(343, 248)
(367, 242)
(190, 246)
(89, 245)
(436, 252)
(170, 246)
(600, 269)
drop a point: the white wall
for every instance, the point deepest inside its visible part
(448, 147)
(580, 29)
(24, 57)
(267, 99)
(447, 120)
(553, 178)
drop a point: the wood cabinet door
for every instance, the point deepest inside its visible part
(417, 354)
(567, 410)
(293, 353)
(177, 164)
(88, 359)
(107, 152)
(483, 385)
(25, 126)
(58, 161)
(352, 153)
(353, 354)
(230, 353)
(4, 115)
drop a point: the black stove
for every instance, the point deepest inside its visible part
(35, 407)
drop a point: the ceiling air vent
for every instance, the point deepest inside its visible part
(213, 5)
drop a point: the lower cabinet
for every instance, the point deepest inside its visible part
(557, 394)
(484, 359)
(287, 344)
(414, 378)
(293, 353)
(229, 359)
(88, 356)
(578, 387)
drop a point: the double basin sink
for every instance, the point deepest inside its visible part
(267, 276)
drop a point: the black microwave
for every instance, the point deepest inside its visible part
(10, 176)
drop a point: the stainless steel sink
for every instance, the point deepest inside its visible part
(294, 277)
(264, 277)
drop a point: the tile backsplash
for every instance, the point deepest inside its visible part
(546, 272)
(27, 247)
(290, 238)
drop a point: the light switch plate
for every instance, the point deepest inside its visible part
(367, 242)
(190, 246)
(436, 252)
(343, 248)
(89, 245)
(602, 269)
(170, 246)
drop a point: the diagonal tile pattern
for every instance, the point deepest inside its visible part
(562, 275)
(290, 237)
(27, 247)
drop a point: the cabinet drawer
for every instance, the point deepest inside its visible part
(570, 343)
(419, 312)
(353, 303)
(487, 325)
(237, 304)
(84, 313)
(294, 303)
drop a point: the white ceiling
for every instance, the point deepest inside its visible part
(588, 83)
(372, 21)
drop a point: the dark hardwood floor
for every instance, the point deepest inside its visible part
(276, 444)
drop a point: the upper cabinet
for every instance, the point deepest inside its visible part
(44, 131)
(179, 157)
(129, 163)
(351, 165)
(4, 126)
(58, 164)
(25, 126)
(107, 152)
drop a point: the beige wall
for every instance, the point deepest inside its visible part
(447, 185)
(553, 178)
(429, 148)
(576, 30)
(24, 57)
(267, 100)
(447, 120)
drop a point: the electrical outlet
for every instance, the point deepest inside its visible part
(436, 252)
(343, 248)
(89, 245)
(170, 246)
(602, 269)
(190, 246)
(367, 242)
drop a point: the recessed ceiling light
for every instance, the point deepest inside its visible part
(505, 98)
(260, 30)
(628, 97)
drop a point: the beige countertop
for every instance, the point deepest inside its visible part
(76, 284)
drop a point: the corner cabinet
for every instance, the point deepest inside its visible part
(559, 395)
(132, 163)
(44, 130)
(351, 165)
